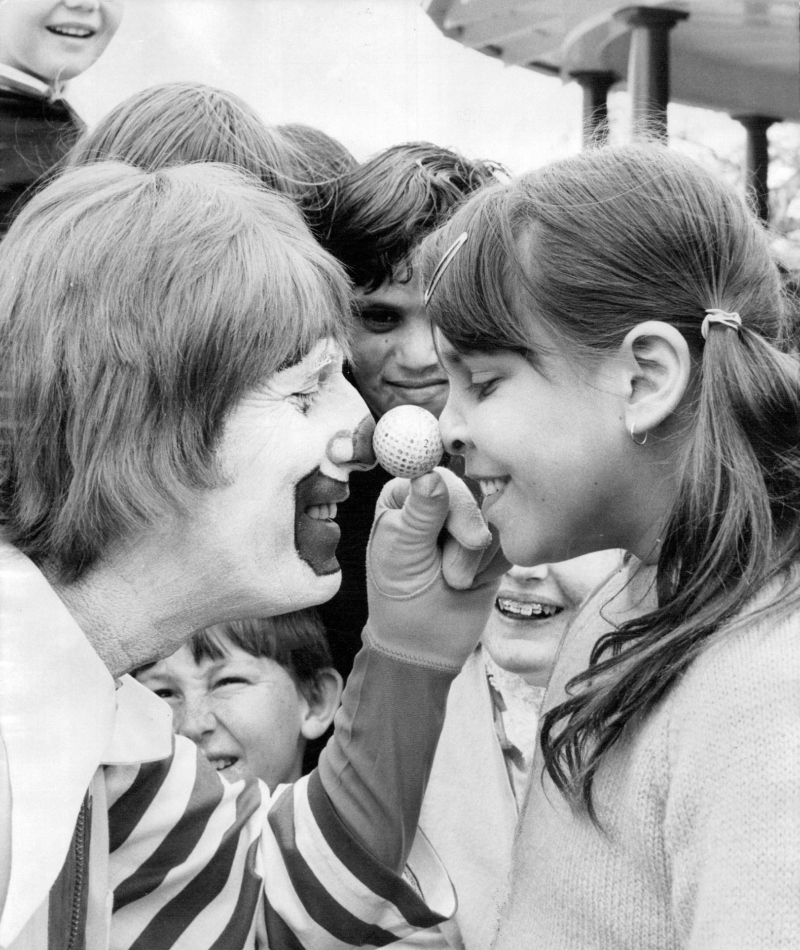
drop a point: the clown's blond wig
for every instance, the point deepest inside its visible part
(136, 309)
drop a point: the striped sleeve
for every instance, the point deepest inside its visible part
(184, 861)
(325, 891)
(198, 863)
(336, 839)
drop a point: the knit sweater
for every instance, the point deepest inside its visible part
(699, 804)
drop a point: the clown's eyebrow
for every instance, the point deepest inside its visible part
(307, 367)
(324, 359)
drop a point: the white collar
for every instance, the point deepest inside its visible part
(60, 718)
(19, 78)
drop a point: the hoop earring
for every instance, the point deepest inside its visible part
(634, 437)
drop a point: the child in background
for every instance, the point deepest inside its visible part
(322, 164)
(252, 694)
(481, 767)
(617, 343)
(532, 612)
(180, 122)
(385, 207)
(43, 44)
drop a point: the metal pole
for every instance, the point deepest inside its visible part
(595, 85)
(648, 66)
(757, 166)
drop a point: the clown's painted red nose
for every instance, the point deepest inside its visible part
(354, 447)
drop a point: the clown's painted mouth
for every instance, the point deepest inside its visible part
(316, 534)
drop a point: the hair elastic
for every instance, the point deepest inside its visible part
(714, 315)
(443, 264)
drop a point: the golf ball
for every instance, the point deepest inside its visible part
(407, 441)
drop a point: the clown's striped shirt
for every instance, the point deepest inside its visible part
(198, 863)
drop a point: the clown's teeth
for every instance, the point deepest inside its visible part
(526, 610)
(322, 512)
(220, 764)
(491, 485)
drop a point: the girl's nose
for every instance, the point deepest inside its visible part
(522, 574)
(453, 429)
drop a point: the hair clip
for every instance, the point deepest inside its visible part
(731, 320)
(443, 264)
(499, 172)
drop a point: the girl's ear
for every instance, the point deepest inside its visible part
(322, 703)
(658, 368)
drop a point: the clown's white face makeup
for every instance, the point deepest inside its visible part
(56, 40)
(266, 539)
(534, 607)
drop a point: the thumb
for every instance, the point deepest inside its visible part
(426, 507)
(465, 523)
(403, 555)
(463, 568)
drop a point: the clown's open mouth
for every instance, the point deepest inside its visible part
(316, 534)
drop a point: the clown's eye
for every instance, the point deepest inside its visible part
(305, 400)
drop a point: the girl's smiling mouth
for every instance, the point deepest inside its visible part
(490, 486)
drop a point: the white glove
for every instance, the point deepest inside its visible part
(429, 604)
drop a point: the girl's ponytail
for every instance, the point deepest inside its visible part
(733, 529)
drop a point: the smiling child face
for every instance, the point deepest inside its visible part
(56, 41)
(394, 359)
(547, 448)
(245, 712)
(534, 607)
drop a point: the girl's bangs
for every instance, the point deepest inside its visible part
(469, 301)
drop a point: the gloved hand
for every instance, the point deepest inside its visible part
(429, 604)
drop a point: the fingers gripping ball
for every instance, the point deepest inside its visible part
(407, 441)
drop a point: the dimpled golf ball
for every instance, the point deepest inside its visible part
(407, 441)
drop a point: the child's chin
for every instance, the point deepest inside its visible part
(69, 68)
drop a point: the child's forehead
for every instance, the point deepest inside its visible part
(183, 661)
(444, 347)
(456, 356)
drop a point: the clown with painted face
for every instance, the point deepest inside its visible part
(177, 436)
(43, 44)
